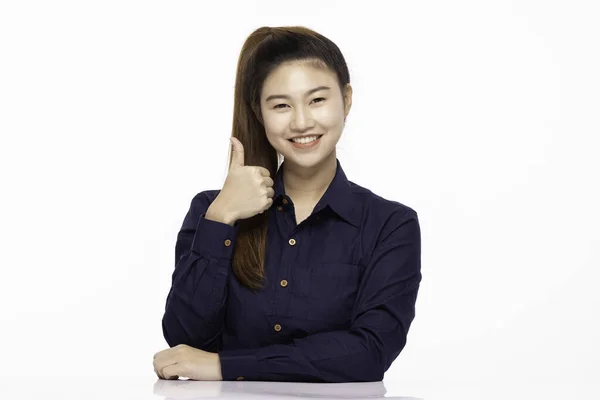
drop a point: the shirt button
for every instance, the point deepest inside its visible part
(240, 378)
(279, 208)
(277, 327)
(228, 243)
(292, 242)
(284, 283)
(284, 201)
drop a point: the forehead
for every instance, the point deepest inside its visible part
(296, 78)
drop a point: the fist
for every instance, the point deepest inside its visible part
(186, 361)
(248, 190)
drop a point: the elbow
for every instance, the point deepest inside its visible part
(367, 366)
(377, 357)
(374, 362)
(376, 375)
(367, 372)
(373, 373)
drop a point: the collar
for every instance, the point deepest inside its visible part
(338, 197)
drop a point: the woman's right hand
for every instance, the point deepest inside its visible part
(248, 190)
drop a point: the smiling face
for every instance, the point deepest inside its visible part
(299, 99)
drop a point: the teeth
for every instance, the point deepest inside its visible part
(306, 139)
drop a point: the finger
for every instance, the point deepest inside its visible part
(156, 370)
(237, 159)
(264, 171)
(270, 192)
(268, 181)
(164, 360)
(155, 362)
(171, 371)
(269, 204)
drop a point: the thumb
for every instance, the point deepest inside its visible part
(238, 153)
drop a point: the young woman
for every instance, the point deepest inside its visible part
(290, 272)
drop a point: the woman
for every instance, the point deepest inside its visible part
(290, 272)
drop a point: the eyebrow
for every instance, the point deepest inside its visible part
(311, 91)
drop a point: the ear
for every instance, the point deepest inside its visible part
(347, 99)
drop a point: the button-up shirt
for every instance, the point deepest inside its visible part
(340, 290)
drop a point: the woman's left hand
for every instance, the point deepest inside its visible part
(189, 362)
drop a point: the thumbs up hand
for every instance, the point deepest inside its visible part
(247, 191)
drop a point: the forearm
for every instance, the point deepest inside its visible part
(331, 357)
(195, 306)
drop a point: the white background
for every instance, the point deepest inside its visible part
(482, 116)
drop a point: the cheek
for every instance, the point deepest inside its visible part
(329, 117)
(274, 134)
(276, 124)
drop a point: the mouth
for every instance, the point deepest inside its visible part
(308, 143)
(305, 141)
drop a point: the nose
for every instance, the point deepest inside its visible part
(302, 120)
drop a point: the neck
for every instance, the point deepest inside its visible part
(307, 185)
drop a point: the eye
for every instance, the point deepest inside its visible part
(278, 106)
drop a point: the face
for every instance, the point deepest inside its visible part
(299, 99)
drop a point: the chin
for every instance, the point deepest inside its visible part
(309, 160)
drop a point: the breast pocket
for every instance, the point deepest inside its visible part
(332, 292)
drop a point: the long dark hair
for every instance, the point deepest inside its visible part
(264, 50)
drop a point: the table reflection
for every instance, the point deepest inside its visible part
(188, 389)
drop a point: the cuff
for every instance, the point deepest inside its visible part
(239, 365)
(215, 239)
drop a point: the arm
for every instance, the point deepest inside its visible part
(383, 312)
(195, 305)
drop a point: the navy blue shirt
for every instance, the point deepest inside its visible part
(339, 297)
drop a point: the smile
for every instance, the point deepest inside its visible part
(307, 142)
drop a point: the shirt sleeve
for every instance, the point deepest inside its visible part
(382, 315)
(195, 304)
